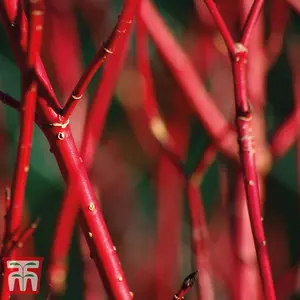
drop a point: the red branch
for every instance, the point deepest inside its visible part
(46, 96)
(19, 239)
(239, 57)
(27, 118)
(96, 233)
(108, 48)
(70, 163)
(91, 136)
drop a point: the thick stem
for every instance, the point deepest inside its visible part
(101, 246)
(92, 134)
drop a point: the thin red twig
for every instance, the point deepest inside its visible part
(19, 239)
(221, 25)
(108, 48)
(47, 105)
(251, 21)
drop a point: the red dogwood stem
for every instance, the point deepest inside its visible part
(92, 134)
(21, 238)
(247, 155)
(108, 48)
(46, 94)
(239, 57)
(96, 233)
(69, 161)
(102, 249)
(27, 118)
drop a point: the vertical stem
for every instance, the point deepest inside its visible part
(247, 156)
(27, 118)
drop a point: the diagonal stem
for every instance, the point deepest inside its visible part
(108, 48)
